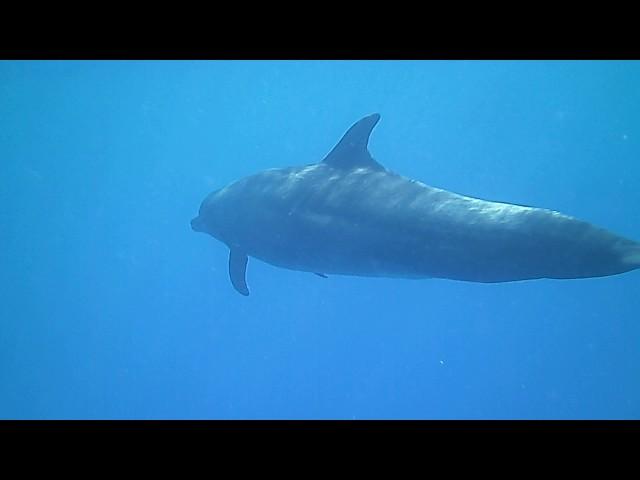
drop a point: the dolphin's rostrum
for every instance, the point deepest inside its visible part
(348, 215)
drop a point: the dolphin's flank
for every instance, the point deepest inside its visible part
(348, 215)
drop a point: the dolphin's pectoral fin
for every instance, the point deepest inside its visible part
(321, 275)
(351, 151)
(238, 270)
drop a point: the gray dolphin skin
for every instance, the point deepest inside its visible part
(348, 215)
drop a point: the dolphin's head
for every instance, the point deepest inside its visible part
(225, 214)
(212, 217)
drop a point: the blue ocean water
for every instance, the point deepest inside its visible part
(111, 307)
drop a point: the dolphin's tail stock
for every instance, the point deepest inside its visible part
(633, 256)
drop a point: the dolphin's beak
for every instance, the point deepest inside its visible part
(196, 224)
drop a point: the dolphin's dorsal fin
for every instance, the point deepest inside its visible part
(237, 270)
(351, 151)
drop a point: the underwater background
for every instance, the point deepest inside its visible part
(111, 307)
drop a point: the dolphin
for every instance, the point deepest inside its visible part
(349, 215)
